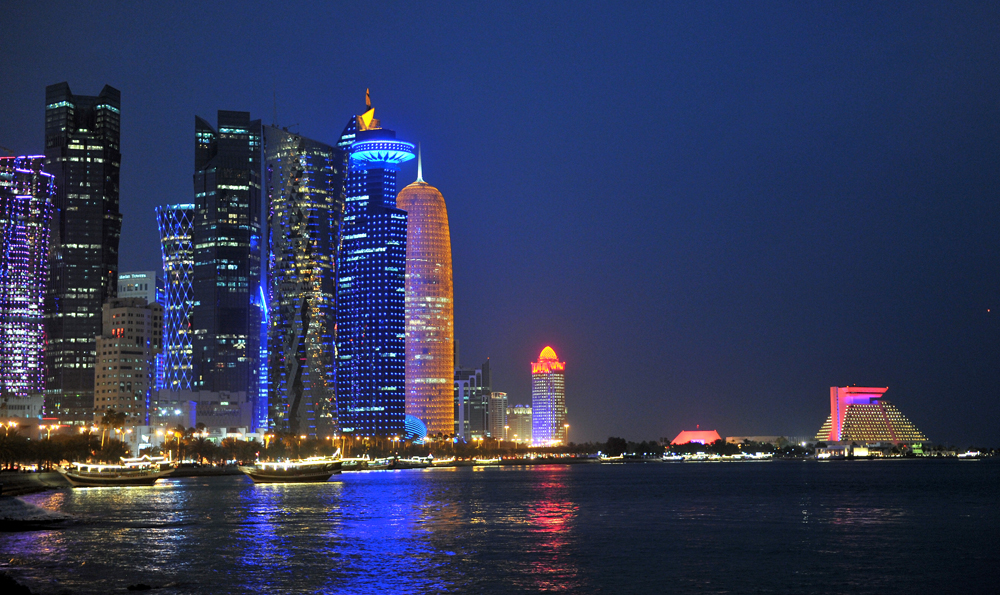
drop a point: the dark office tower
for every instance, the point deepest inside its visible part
(304, 182)
(371, 376)
(226, 314)
(472, 399)
(176, 225)
(82, 151)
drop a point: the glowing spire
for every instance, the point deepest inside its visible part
(420, 168)
(367, 121)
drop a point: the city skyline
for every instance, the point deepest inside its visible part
(746, 205)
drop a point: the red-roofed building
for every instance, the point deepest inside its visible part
(699, 436)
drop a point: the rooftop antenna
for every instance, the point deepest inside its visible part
(420, 167)
(274, 121)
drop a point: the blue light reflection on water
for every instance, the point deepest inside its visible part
(709, 528)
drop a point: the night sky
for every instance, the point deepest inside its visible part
(713, 212)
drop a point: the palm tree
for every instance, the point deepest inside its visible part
(114, 420)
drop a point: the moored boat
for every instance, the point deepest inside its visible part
(142, 471)
(311, 470)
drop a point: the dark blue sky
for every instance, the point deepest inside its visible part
(712, 211)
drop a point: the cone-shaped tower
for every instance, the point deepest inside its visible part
(430, 310)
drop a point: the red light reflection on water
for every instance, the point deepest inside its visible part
(552, 518)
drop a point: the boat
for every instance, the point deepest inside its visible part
(310, 470)
(141, 471)
(355, 464)
(484, 461)
(382, 464)
(413, 463)
(450, 461)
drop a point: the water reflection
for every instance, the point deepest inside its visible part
(552, 517)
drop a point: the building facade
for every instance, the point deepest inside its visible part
(125, 374)
(548, 399)
(147, 285)
(227, 310)
(862, 414)
(371, 377)
(304, 184)
(430, 308)
(497, 416)
(472, 401)
(519, 422)
(82, 151)
(176, 226)
(26, 212)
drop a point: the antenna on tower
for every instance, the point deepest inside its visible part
(420, 166)
(274, 120)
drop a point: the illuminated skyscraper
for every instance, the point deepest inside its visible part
(430, 309)
(861, 414)
(227, 311)
(548, 399)
(25, 216)
(371, 376)
(304, 181)
(82, 151)
(176, 225)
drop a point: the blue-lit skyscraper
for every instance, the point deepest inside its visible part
(371, 375)
(304, 182)
(226, 314)
(26, 212)
(176, 225)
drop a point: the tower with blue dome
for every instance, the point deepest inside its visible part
(371, 326)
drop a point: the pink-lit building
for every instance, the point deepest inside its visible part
(697, 436)
(862, 414)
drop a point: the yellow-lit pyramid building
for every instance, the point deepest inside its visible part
(861, 414)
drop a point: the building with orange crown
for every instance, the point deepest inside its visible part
(429, 307)
(548, 400)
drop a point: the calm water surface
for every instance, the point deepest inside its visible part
(779, 527)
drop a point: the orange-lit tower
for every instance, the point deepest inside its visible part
(548, 400)
(430, 309)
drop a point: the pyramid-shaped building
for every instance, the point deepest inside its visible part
(861, 414)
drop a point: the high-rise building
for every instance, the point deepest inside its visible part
(472, 400)
(371, 377)
(227, 310)
(497, 415)
(519, 420)
(430, 309)
(548, 399)
(25, 216)
(862, 414)
(125, 375)
(176, 225)
(304, 182)
(147, 285)
(82, 151)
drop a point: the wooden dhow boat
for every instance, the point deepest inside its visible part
(141, 471)
(311, 470)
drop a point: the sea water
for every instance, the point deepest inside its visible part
(844, 527)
